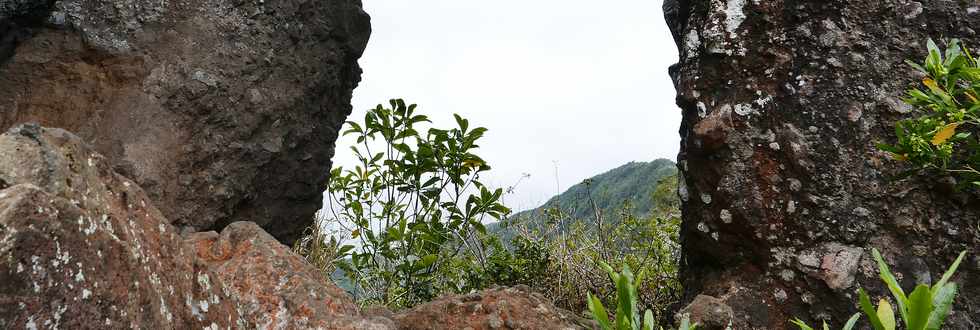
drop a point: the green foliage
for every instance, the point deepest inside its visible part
(416, 208)
(648, 244)
(627, 316)
(925, 308)
(633, 183)
(414, 204)
(943, 136)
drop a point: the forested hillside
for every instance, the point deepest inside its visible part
(633, 183)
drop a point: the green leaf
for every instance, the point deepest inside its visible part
(851, 322)
(953, 52)
(934, 59)
(943, 303)
(686, 323)
(916, 66)
(869, 310)
(896, 290)
(345, 249)
(463, 123)
(599, 312)
(479, 227)
(609, 270)
(801, 324)
(648, 322)
(886, 315)
(949, 273)
(428, 260)
(920, 306)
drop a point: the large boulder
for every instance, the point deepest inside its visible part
(222, 110)
(81, 247)
(784, 192)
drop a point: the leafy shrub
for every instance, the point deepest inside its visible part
(627, 316)
(416, 208)
(415, 205)
(925, 308)
(943, 137)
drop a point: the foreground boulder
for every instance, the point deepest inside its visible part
(784, 192)
(222, 111)
(83, 248)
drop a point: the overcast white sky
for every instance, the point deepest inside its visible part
(581, 84)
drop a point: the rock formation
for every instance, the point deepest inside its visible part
(83, 247)
(222, 111)
(784, 191)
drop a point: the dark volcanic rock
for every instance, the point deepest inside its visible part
(222, 111)
(785, 192)
(83, 248)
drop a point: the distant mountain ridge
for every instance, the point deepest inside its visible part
(634, 182)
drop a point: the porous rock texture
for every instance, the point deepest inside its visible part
(222, 110)
(784, 192)
(82, 247)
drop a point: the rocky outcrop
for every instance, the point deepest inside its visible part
(222, 111)
(83, 247)
(784, 190)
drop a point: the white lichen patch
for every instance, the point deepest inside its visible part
(734, 16)
(744, 109)
(165, 311)
(195, 311)
(692, 43)
(81, 275)
(86, 293)
(30, 325)
(205, 281)
(703, 227)
(726, 216)
(706, 198)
